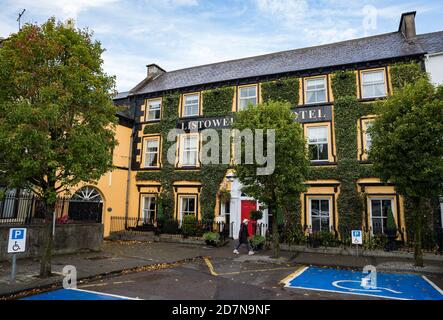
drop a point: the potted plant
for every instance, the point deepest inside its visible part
(257, 242)
(391, 232)
(212, 238)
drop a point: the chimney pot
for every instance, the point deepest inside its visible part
(407, 25)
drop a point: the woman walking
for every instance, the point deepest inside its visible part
(243, 238)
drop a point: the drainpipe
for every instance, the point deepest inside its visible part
(128, 181)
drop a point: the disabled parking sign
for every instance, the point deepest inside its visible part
(17, 240)
(357, 237)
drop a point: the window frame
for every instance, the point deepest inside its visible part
(366, 135)
(329, 138)
(371, 217)
(147, 109)
(180, 205)
(181, 150)
(143, 196)
(239, 98)
(363, 153)
(145, 152)
(183, 105)
(385, 83)
(331, 214)
(305, 90)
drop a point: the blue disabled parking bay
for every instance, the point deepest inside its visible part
(75, 294)
(391, 286)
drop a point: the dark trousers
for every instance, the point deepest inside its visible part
(245, 243)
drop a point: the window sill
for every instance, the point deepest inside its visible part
(313, 105)
(190, 168)
(372, 99)
(150, 168)
(323, 163)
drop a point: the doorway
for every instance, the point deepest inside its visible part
(246, 208)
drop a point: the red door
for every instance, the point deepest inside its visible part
(246, 208)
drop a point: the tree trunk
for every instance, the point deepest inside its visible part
(275, 234)
(49, 199)
(45, 262)
(418, 231)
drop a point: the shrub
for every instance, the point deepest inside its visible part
(391, 222)
(256, 215)
(295, 236)
(212, 238)
(325, 239)
(376, 242)
(170, 227)
(191, 227)
(257, 242)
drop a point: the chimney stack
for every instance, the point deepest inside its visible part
(154, 70)
(407, 25)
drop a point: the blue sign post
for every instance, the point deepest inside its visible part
(16, 244)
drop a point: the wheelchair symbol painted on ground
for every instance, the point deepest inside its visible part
(357, 286)
(366, 283)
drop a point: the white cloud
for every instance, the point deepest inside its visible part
(324, 36)
(291, 10)
(63, 8)
(179, 2)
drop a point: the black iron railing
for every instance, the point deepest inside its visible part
(30, 209)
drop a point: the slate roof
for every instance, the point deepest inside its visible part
(431, 42)
(380, 47)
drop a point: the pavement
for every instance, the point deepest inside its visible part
(172, 271)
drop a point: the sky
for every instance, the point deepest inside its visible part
(177, 34)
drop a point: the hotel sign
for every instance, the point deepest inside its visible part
(304, 115)
(205, 123)
(313, 114)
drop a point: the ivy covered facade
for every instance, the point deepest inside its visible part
(334, 103)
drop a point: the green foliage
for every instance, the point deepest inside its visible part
(191, 227)
(375, 242)
(407, 148)
(391, 225)
(291, 164)
(256, 215)
(279, 190)
(344, 84)
(56, 111)
(170, 226)
(294, 235)
(257, 242)
(218, 102)
(406, 73)
(224, 195)
(324, 239)
(283, 90)
(347, 111)
(212, 237)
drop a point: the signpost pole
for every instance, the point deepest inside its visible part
(14, 267)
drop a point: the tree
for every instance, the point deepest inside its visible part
(407, 148)
(57, 118)
(286, 183)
